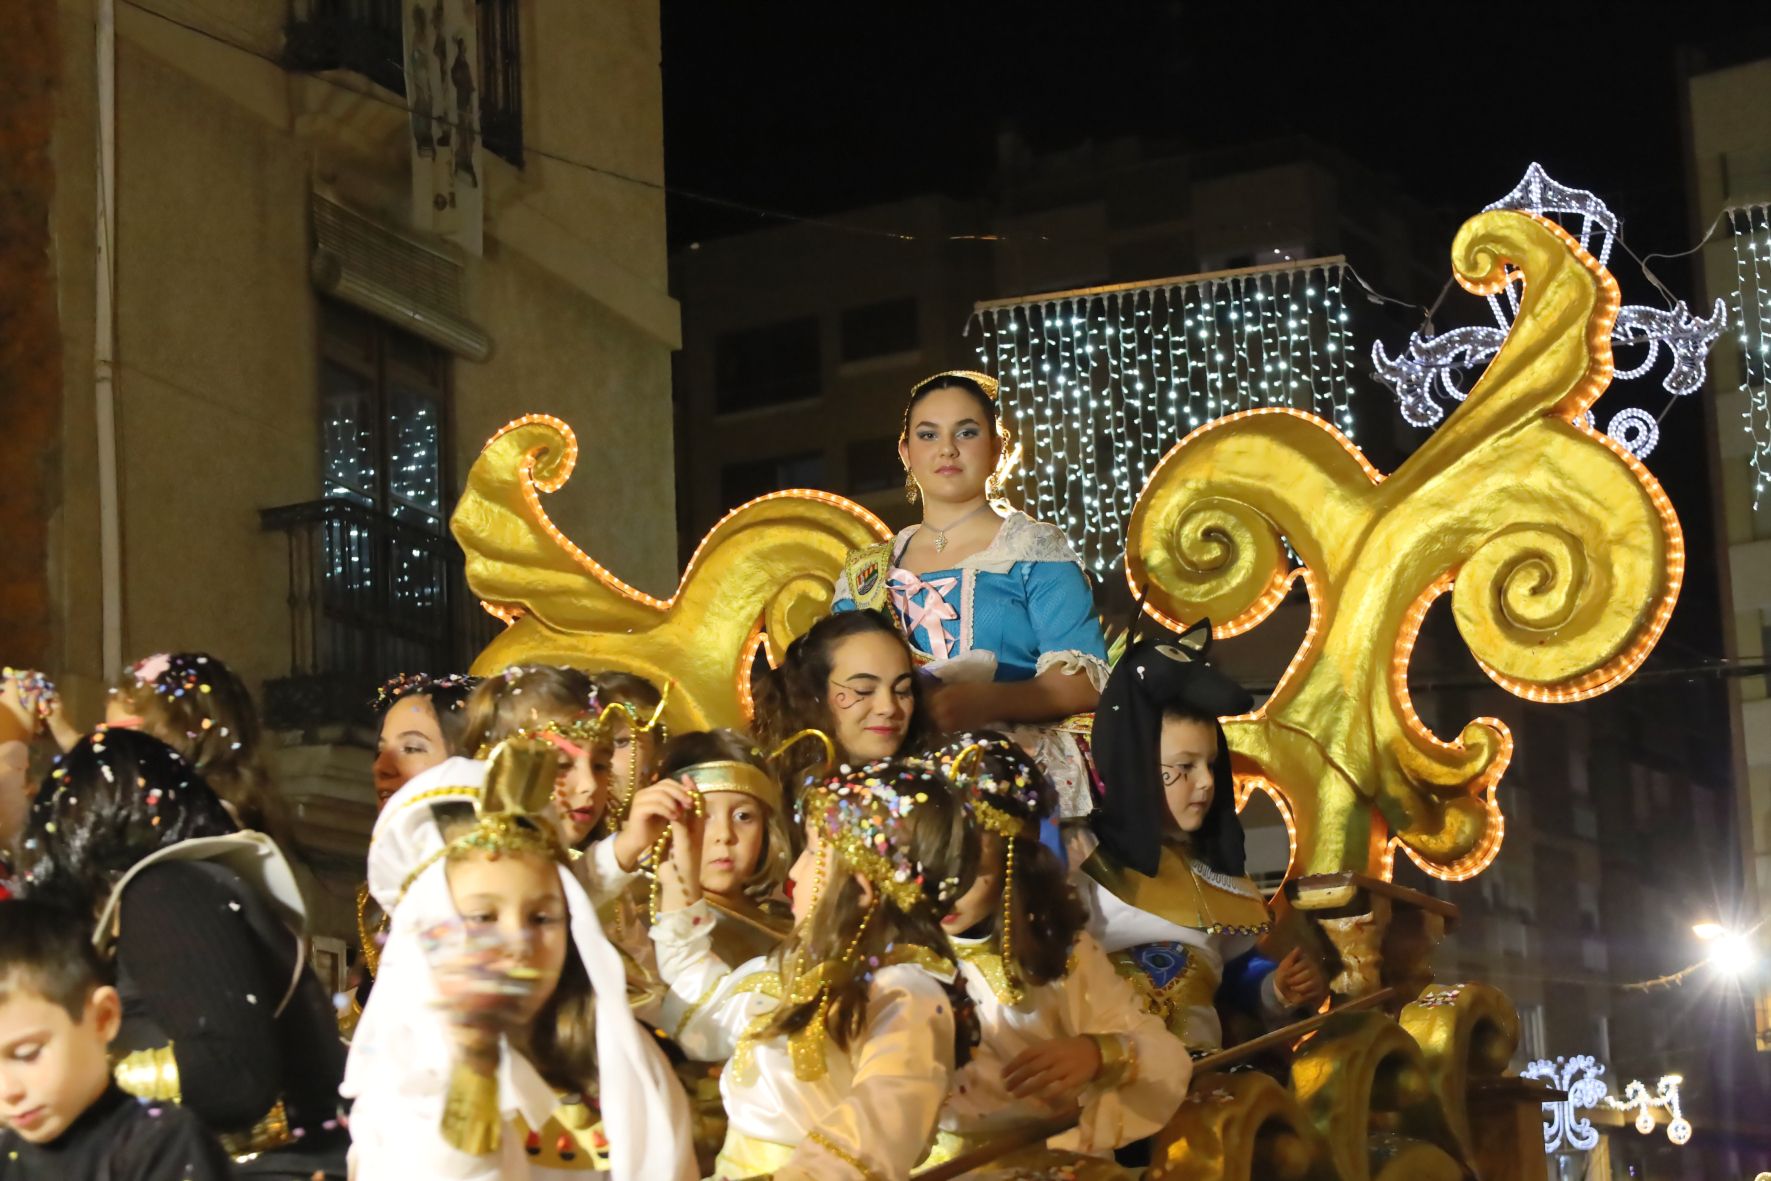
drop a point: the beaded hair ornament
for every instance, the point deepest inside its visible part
(991, 775)
(172, 674)
(863, 813)
(179, 676)
(36, 692)
(422, 685)
(508, 816)
(653, 725)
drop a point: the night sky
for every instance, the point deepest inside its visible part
(812, 110)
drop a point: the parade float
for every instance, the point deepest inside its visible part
(1559, 555)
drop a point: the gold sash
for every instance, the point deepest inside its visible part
(1186, 893)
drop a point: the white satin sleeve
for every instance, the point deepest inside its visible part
(1155, 1068)
(903, 1067)
(708, 1007)
(601, 873)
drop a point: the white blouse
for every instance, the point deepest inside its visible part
(1091, 1000)
(872, 1113)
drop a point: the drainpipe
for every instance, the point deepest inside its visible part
(104, 351)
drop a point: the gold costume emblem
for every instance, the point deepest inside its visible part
(1562, 554)
(762, 576)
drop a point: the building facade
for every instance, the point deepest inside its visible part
(273, 371)
(801, 342)
(1729, 127)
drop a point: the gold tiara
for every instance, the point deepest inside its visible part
(507, 810)
(989, 384)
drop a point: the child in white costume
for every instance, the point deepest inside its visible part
(1165, 886)
(1059, 1027)
(425, 1104)
(842, 1043)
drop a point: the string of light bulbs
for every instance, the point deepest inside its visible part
(1751, 307)
(1101, 384)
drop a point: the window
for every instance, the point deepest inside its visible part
(368, 36)
(874, 466)
(879, 330)
(383, 417)
(1531, 1039)
(747, 480)
(760, 367)
(501, 80)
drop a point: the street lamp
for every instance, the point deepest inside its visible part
(1732, 953)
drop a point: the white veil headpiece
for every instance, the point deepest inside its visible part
(401, 1057)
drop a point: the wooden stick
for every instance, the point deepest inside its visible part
(1280, 1037)
(1023, 1137)
(1038, 1133)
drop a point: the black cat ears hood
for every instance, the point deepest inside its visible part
(1152, 676)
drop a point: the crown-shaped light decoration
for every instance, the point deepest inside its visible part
(1434, 365)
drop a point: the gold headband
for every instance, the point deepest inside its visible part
(734, 776)
(989, 384)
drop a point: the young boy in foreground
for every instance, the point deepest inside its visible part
(63, 1116)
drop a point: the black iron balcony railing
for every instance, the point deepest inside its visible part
(369, 597)
(367, 37)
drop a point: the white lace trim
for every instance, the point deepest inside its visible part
(1071, 660)
(1022, 539)
(1019, 539)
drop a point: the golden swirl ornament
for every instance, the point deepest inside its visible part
(1562, 554)
(762, 576)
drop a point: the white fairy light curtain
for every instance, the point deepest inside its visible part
(1751, 233)
(1097, 385)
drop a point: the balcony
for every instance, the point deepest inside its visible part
(369, 597)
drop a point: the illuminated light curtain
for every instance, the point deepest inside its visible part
(1097, 385)
(1751, 303)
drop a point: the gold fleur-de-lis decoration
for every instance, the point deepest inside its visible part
(1562, 554)
(761, 577)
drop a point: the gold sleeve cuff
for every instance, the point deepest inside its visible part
(150, 1074)
(1119, 1060)
(472, 1122)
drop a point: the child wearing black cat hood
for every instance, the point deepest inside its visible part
(1165, 882)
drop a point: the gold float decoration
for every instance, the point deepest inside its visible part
(761, 576)
(1562, 554)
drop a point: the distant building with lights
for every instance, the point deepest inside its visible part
(302, 369)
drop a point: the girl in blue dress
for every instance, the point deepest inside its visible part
(994, 603)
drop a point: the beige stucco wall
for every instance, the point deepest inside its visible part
(218, 152)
